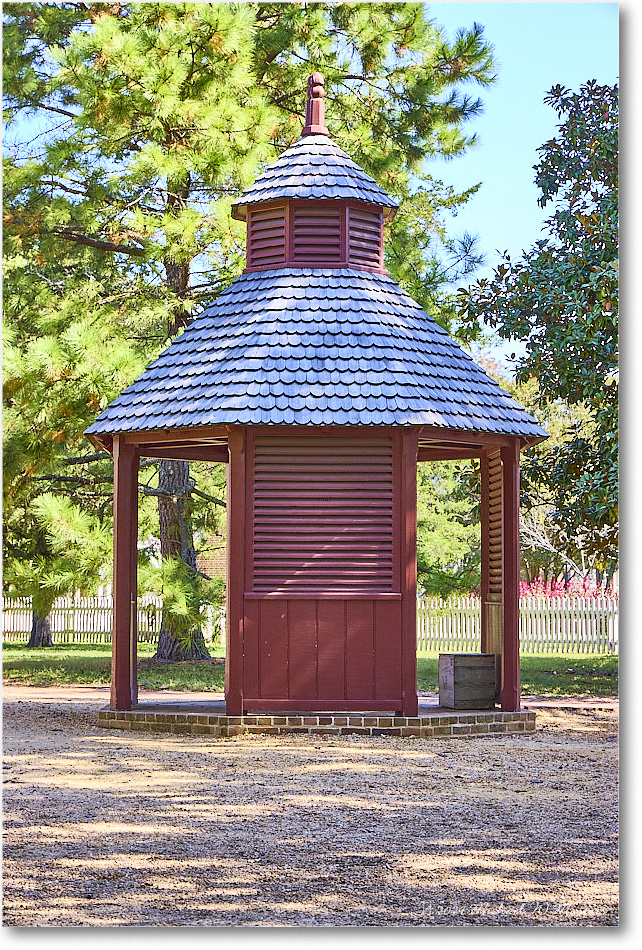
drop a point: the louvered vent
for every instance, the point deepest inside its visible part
(495, 524)
(317, 235)
(266, 236)
(364, 237)
(323, 515)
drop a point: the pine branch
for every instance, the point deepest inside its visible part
(41, 105)
(190, 490)
(87, 241)
(80, 459)
(77, 479)
(215, 501)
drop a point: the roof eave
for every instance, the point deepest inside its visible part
(527, 442)
(239, 211)
(103, 442)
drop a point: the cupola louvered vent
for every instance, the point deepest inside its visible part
(318, 234)
(364, 237)
(323, 512)
(266, 237)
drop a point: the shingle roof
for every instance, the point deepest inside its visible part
(314, 167)
(315, 346)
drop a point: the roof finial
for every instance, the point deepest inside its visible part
(315, 107)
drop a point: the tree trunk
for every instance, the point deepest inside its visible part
(173, 477)
(176, 541)
(170, 649)
(40, 631)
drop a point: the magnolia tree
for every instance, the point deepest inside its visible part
(561, 300)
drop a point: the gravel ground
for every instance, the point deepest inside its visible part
(123, 829)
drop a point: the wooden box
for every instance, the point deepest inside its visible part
(467, 680)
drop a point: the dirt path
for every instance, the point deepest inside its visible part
(112, 829)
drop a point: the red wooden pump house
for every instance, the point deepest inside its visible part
(320, 383)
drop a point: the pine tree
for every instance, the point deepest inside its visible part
(154, 116)
(64, 358)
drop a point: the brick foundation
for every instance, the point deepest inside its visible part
(437, 723)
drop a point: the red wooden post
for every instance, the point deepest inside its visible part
(485, 548)
(235, 588)
(510, 693)
(124, 689)
(408, 553)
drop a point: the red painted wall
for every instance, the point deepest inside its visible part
(325, 583)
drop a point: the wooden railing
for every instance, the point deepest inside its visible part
(547, 625)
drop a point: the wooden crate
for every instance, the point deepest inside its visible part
(467, 680)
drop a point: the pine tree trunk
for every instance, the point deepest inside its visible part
(176, 541)
(173, 477)
(40, 631)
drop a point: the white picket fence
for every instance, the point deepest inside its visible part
(87, 619)
(547, 625)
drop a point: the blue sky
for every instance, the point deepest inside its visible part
(537, 45)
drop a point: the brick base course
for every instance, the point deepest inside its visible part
(423, 727)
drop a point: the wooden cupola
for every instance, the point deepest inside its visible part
(295, 231)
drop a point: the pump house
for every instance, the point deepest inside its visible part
(321, 384)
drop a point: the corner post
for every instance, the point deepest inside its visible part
(235, 587)
(124, 686)
(408, 553)
(485, 548)
(510, 692)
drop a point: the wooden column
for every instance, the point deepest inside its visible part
(124, 687)
(510, 693)
(408, 554)
(492, 558)
(485, 549)
(235, 588)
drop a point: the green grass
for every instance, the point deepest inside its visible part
(550, 674)
(90, 664)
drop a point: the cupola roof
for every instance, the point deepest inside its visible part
(314, 167)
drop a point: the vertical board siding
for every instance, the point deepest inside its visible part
(331, 649)
(274, 659)
(360, 650)
(251, 648)
(387, 649)
(302, 649)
